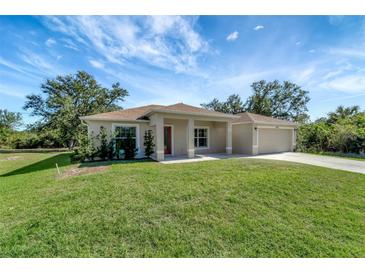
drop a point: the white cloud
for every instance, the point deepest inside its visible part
(96, 64)
(12, 91)
(304, 75)
(348, 52)
(168, 42)
(50, 42)
(258, 27)
(311, 51)
(67, 43)
(232, 36)
(298, 43)
(20, 69)
(35, 60)
(350, 84)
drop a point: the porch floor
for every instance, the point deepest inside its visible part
(199, 157)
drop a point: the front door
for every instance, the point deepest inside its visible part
(167, 139)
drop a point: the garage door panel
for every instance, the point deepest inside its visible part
(274, 140)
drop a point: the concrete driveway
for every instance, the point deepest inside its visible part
(317, 160)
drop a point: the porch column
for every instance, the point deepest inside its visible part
(255, 140)
(160, 152)
(229, 138)
(190, 144)
(294, 139)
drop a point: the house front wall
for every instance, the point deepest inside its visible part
(242, 138)
(141, 127)
(255, 139)
(179, 135)
(246, 138)
(216, 136)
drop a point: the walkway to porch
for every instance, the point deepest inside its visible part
(199, 158)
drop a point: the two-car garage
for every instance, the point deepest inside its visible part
(257, 134)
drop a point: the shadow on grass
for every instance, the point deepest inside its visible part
(48, 163)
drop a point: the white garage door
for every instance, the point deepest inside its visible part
(274, 140)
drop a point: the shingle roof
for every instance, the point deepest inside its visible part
(183, 108)
(128, 114)
(247, 117)
(139, 113)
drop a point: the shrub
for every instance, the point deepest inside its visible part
(103, 149)
(148, 143)
(112, 152)
(86, 149)
(341, 131)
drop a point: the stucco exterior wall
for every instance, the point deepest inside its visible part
(242, 140)
(94, 130)
(217, 136)
(179, 135)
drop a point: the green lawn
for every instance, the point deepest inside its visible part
(226, 208)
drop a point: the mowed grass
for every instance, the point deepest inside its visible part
(225, 208)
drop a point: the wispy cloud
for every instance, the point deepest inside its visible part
(12, 91)
(354, 84)
(168, 42)
(232, 36)
(35, 60)
(96, 64)
(69, 44)
(348, 52)
(258, 27)
(50, 42)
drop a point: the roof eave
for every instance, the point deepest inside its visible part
(86, 118)
(219, 115)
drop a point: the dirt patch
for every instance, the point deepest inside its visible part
(12, 158)
(82, 171)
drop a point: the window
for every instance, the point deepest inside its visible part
(122, 132)
(201, 137)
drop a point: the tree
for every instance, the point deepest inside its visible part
(280, 100)
(68, 97)
(232, 105)
(8, 122)
(340, 131)
(148, 143)
(342, 113)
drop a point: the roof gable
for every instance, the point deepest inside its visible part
(140, 113)
(247, 117)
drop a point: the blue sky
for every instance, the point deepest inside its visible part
(166, 60)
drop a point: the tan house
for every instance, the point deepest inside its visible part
(182, 129)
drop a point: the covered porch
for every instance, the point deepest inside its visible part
(182, 136)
